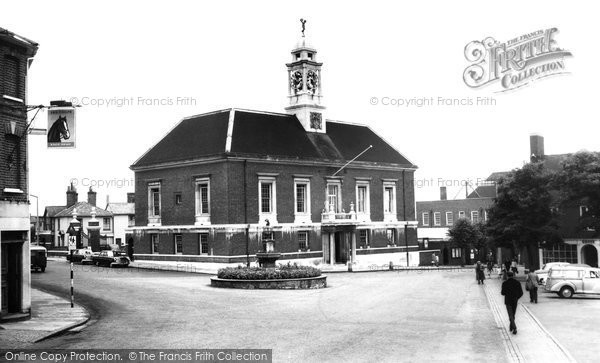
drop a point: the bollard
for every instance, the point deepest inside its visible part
(391, 266)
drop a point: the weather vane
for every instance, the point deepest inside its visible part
(303, 21)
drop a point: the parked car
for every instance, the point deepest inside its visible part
(39, 258)
(89, 259)
(543, 272)
(569, 280)
(111, 259)
(79, 255)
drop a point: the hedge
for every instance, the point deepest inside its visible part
(258, 273)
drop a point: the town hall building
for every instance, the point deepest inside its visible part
(221, 183)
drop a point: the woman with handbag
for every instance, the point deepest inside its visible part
(531, 285)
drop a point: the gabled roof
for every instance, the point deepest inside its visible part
(10, 37)
(84, 209)
(53, 210)
(483, 191)
(235, 132)
(121, 208)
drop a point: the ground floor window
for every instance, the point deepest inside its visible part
(303, 241)
(178, 244)
(363, 236)
(391, 236)
(154, 241)
(456, 253)
(560, 253)
(203, 243)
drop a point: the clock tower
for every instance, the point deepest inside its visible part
(305, 86)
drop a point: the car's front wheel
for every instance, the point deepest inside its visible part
(566, 292)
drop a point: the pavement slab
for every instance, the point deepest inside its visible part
(50, 315)
(533, 343)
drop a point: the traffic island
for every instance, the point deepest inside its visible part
(282, 277)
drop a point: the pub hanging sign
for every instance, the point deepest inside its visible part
(61, 127)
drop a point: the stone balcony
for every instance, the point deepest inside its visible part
(330, 216)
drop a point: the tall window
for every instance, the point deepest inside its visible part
(449, 218)
(266, 196)
(474, 216)
(426, 218)
(106, 224)
(334, 197)
(154, 203)
(302, 200)
(202, 200)
(154, 243)
(437, 219)
(389, 200)
(362, 198)
(461, 214)
(203, 240)
(178, 244)
(303, 241)
(301, 206)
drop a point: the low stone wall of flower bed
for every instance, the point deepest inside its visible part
(318, 282)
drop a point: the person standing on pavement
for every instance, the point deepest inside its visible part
(532, 284)
(479, 273)
(512, 291)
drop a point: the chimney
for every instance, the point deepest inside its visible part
(536, 147)
(92, 197)
(130, 197)
(443, 194)
(71, 195)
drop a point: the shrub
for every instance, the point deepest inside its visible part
(288, 271)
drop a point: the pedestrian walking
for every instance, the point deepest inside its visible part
(513, 266)
(512, 291)
(532, 285)
(479, 272)
(507, 264)
(503, 272)
(490, 267)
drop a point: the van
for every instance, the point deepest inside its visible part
(39, 257)
(570, 279)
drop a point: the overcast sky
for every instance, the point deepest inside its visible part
(216, 55)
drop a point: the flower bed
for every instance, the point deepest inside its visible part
(282, 272)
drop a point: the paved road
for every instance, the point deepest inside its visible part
(380, 316)
(574, 322)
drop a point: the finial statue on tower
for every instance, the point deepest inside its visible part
(303, 22)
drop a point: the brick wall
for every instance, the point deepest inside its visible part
(13, 147)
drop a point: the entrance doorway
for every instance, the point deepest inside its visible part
(589, 255)
(11, 277)
(341, 248)
(445, 257)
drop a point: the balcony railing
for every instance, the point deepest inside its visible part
(329, 215)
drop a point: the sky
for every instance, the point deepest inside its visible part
(138, 67)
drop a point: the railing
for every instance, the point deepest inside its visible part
(342, 217)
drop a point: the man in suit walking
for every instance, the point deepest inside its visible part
(512, 291)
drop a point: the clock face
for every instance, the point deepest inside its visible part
(296, 81)
(312, 81)
(316, 120)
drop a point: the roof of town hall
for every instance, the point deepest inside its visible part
(246, 133)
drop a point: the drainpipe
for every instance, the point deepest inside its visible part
(246, 216)
(404, 213)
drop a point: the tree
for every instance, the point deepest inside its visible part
(464, 234)
(579, 182)
(522, 215)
